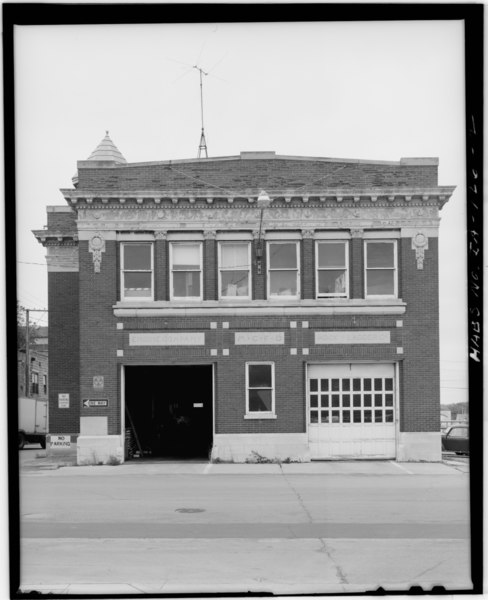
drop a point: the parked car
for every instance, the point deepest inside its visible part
(456, 439)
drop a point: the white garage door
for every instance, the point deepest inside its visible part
(351, 411)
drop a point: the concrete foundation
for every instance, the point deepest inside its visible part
(419, 446)
(253, 447)
(99, 449)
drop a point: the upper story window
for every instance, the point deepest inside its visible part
(381, 269)
(332, 278)
(137, 271)
(186, 270)
(234, 270)
(44, 384)
(283, 270)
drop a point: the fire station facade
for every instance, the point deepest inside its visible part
(244, 307)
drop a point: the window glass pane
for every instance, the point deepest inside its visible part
(259, 376)
(324, 385)
(314, 416)
(314, 401)
(388, 416)
(367, 385)
(378, 384)
(186, 257)
(260, 401)
(137, 285)
(346, 385)
(335, 385)
(458, 432)
(283, 256)
(380, 283)
(137, 256)
(378, 416)
(335, 416)
(380, 255)
(186, 285)
(314, 385)
(283, 283)
(332, 255)
(346, 416)
(389, 399)
(332, 282)
(234, 256)
(235, 283)
(356, 416)
(356, 385)
(346, 400)
(324, 400)
(325, 416)
(335, 400)
(367, 416)
(378, 400)
(356, 399)
(367, 399)
(389, 385)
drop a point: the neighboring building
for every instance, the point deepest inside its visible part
(246, 306)
(37, 373)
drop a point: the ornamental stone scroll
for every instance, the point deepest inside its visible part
(96, 246)
(420, 243)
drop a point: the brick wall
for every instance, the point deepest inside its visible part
(64, 222)
(64, 352)
(241, 175)
(420, 387)
(98, 341)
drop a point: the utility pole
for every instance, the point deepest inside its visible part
(27, 354)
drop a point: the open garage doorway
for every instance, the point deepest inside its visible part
(168, 412)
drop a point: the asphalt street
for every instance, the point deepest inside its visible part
(196, 527)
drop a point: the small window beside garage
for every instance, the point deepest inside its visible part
(34, 382)
(332, 277)
(186, 270)
(260, 401)
(234, 270)
(137, 271)
(381, 269)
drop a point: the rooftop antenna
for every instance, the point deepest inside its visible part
(203, 142)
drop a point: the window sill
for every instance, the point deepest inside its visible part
(260, 416)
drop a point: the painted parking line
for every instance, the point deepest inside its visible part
(401, 467)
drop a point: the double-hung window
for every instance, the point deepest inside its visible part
(44, 384)
(332, 269)
(137, 271)
(260, 401)
(381, 278)
(186, 270)
(283, 270)
(34, 382)
(234, 270)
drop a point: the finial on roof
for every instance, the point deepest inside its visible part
(107, 151)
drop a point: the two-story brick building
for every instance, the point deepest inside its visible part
(280, 306)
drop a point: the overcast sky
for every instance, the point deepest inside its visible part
(379, 90)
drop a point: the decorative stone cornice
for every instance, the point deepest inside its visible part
(357, 233)
(307, 234)
(209, 234)
(188, 198)
(160, 235)
(55, 238)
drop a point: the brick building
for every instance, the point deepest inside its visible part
(279, 306)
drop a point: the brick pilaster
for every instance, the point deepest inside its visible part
(356, 264)
(161, 268)
(210, 266)
(308, 265)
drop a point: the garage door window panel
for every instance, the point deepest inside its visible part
(381, 269)
(137, 271)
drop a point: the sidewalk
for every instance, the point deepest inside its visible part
(153, 467)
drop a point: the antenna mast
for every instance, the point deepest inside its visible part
(203, 142)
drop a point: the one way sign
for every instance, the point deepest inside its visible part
(87, 403)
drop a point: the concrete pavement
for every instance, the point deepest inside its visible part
(197, 527)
